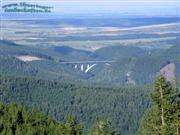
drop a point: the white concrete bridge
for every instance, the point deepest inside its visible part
(86, 66)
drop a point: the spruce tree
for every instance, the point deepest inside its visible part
(72, 126)
(163, 117)
(176, 115)
(103, 127)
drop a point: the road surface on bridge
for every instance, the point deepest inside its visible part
(86, 62)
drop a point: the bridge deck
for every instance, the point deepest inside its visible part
(86, 62)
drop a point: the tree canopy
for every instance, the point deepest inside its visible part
(164, 116)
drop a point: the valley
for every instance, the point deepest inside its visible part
(92, 68)
(87, 52)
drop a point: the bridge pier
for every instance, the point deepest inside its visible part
(85, 68)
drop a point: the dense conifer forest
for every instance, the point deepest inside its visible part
(162, 117)
(87, 103)
(19, 120)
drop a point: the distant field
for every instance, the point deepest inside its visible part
(90, 38)
(94, 45)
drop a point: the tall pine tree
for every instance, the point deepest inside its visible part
(163, 117)
(72, 126)
(103, 127)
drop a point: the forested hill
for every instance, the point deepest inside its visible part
(87, 103)
(20, 120)
(130, 66)
(127, 107)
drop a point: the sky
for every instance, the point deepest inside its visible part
(98, 7)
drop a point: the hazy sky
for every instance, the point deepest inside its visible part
(132, 7)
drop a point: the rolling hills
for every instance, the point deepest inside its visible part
(90, 68)
(60, 63)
